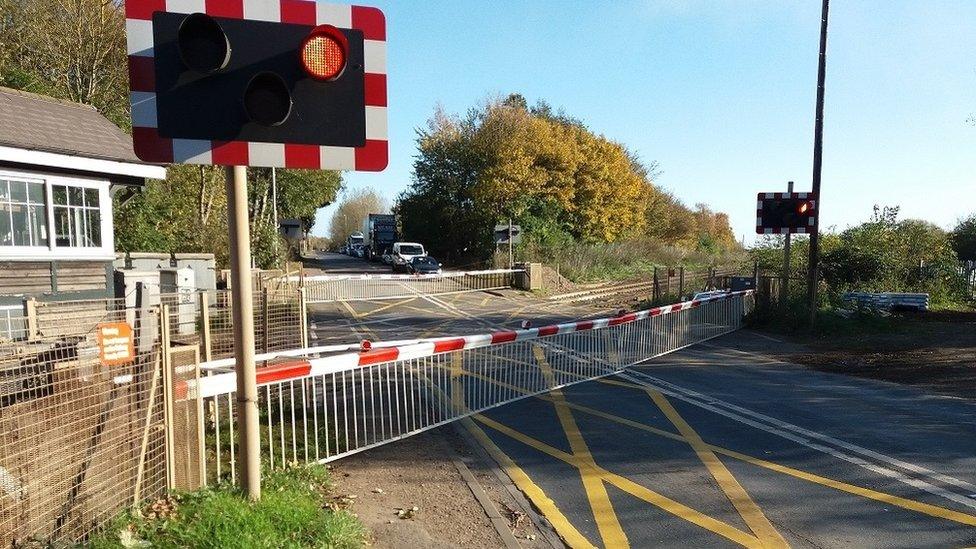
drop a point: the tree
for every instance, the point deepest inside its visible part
(546, 170)
(69, 49)
(188, 211)
(964, 238)
(352, 210)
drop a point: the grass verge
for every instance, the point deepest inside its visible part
(293, 512)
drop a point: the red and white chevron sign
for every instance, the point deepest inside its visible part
(152, 145)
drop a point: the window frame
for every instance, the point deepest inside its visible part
(52, 251)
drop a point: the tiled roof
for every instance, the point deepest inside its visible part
(37, 122)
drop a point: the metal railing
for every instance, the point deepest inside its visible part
(326, 288)
(324, 408)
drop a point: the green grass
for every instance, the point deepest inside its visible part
(292, 513)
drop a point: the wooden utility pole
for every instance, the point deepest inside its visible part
(813, 274)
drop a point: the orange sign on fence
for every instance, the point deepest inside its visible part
(115, 345)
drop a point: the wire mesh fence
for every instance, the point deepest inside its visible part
(321, 289)
(321, 409)
(80, 437)
(83, 436)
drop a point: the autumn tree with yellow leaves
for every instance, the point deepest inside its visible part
(557, 179)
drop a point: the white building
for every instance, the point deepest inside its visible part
(60, 164)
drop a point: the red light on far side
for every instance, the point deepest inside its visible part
(324, 53)
(804, 208)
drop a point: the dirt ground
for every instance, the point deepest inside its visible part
(383, 486)
(936, 351)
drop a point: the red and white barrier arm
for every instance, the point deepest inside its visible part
(225, 383)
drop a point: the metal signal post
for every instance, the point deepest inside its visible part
(784, 292)
(243, 311)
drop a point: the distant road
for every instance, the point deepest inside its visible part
(332, 263)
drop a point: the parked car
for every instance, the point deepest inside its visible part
(403, 252)
(424, 265)
(388, 256)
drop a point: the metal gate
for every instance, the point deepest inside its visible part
(321, 409)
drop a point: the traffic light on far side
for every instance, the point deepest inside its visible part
(783, 213)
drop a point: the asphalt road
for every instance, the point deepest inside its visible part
(720, 444)
(332, 263)
(433, 316)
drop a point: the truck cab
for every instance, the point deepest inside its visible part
(379, 232)
(354, 240)
(403, 252)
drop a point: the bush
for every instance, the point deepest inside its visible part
(882, 254)
(585, 262)
(887, 255)
(292, 513)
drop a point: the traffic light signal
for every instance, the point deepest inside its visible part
(781, 213)
(287, 83)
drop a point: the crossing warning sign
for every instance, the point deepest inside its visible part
(115, 345)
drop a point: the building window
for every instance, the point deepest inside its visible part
(23, 217)
(77, 219)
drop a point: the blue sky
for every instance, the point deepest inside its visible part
(719, 92)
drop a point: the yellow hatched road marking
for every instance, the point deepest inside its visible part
(385, 307)
(669, 505)
(517, 312)
(565, 529)
(569, 534)
(747, 508)
(350, 309)
(904, 503)
(365, 329)
(596, 493)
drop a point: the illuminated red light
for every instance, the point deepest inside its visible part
(804, 207)
(324, 53)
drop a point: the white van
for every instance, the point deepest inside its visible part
(403, 252)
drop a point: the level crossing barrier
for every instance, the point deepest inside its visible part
(330, 288)
(318, 408)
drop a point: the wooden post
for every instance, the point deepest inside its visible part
(265, 318)
(168, 414)
(656, 290)
(201, 447)
(205, 342)
(30, 314)
(681, 282)
(303, 316)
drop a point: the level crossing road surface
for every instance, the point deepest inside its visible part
(725, 443)
(426, 316)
